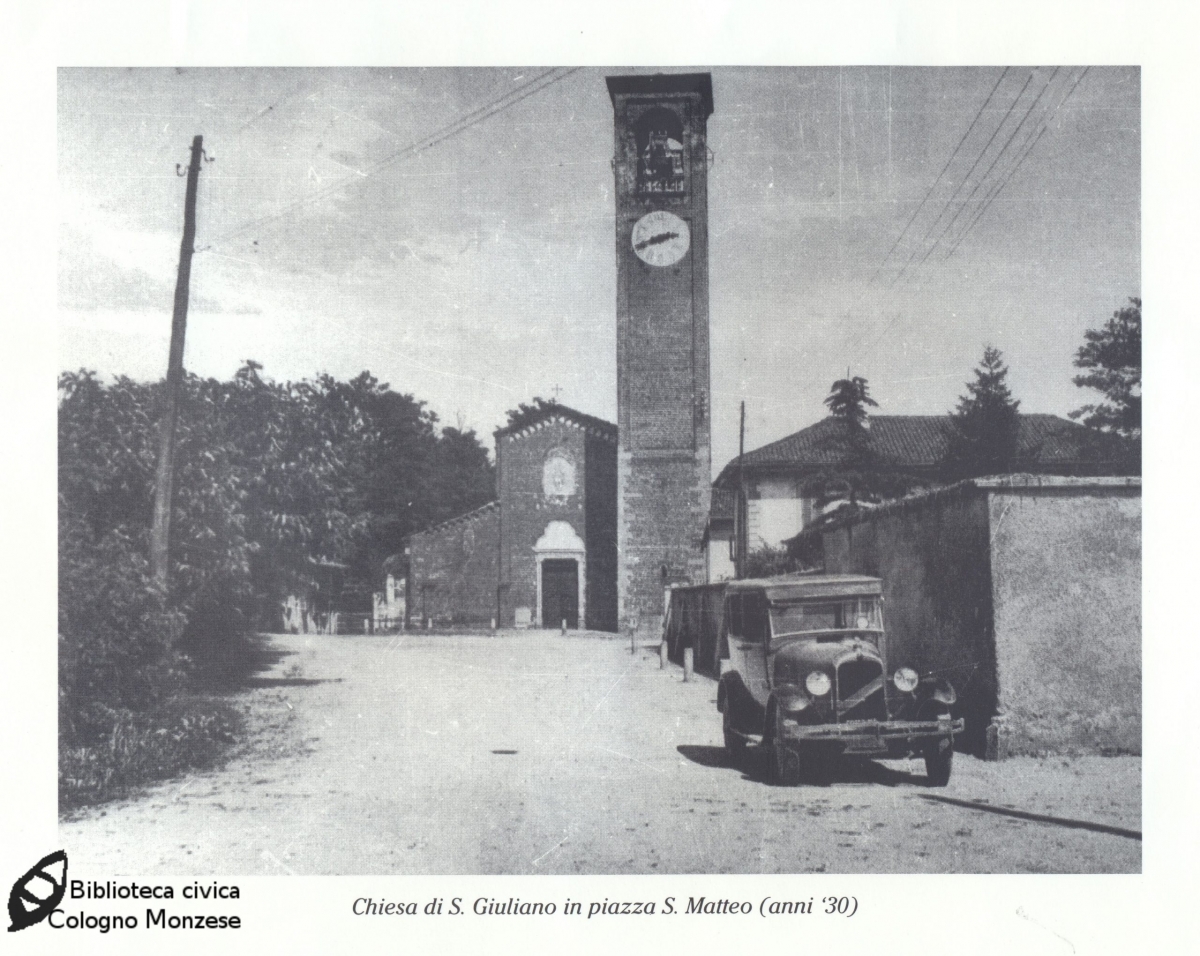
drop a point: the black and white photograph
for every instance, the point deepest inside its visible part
(723, 476)
(579, 470)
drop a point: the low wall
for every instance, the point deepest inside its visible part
(1026, 595)
(454, 569)
(932, 555)
(1066, 584)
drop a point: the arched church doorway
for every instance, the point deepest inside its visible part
(560, 592)
(561, 572)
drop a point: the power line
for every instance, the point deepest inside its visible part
(982, 179)
(917, 212)
(1029, 145)
(1024, 150)
(965, 179)
(463, 123)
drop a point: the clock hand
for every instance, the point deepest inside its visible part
(656, 240)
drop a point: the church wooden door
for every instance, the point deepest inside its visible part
(560, 592)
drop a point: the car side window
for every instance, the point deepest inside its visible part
(754, 614)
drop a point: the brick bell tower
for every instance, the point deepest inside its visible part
(663, 453)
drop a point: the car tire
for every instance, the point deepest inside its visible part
(939, 759)
(783, 763)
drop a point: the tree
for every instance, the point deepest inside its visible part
(526, 412)
(1113, 359)
(768, 562)
(986, 423)
(848, 400)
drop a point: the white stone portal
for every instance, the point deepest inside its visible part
(559, 540)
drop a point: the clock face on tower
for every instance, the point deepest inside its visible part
(661, 238)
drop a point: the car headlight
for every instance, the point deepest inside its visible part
(906, 680)
(817, 683)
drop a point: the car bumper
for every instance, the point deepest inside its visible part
(872, 736)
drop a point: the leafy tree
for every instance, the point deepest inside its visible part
(848, 400)
(986, 423)
(1112, 357)
(270, 478)
(768, 562)
(527, 411)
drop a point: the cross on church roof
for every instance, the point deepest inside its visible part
(556, 390)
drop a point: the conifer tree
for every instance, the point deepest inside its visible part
(986, 423)
(848, 400)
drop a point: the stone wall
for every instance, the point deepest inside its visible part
(600, 532)
(664, 508)
(1066, 582)
(1026, 594)
(933, 559)
(453, 570)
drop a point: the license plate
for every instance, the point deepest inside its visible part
(866, 745)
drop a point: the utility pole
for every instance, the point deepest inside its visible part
(160, 534)
(741, 510)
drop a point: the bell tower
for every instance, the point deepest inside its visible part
(660, 164)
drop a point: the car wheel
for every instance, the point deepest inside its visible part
(939, 757)
(735, 743)
(784, 762)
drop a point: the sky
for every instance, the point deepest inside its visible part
(451, 231)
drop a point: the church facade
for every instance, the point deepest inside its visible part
(545, 553)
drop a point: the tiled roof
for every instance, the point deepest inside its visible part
(459, 519)
(920, 442)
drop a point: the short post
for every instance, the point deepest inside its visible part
(493, 624)
(564, 627)
(662, 654)
(688, 656)
(632, 640)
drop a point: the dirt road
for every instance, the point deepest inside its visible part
(536, 753)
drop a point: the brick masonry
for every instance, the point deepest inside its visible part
(664, 462)
(453, 569)
(528, 510)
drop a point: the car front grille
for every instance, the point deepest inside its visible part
(860, 691)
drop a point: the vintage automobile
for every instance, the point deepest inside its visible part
(805, 671)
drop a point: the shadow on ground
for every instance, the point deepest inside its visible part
(240, 662)
(753, 766)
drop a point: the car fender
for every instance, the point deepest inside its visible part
(730, 685)
(936, 690)
(790, 697)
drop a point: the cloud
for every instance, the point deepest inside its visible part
(91, 279)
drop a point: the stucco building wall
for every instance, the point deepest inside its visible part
(933, 559)
(1066, 582)
(1026, 595)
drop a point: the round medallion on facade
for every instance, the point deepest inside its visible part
(558, 476)
(661, 238)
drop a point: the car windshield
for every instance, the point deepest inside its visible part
(851, 614)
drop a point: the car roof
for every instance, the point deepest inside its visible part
(808, 586)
